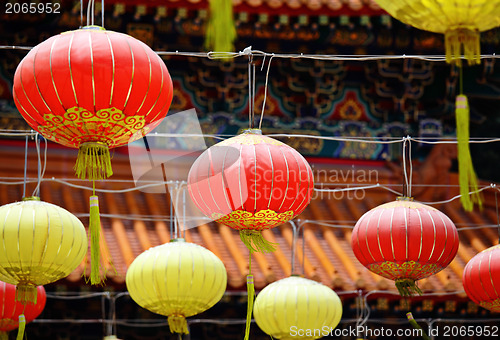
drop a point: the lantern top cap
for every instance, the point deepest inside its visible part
(253, 131)
(177, 240)
(404, 198)
(93, 27)
(31, 198)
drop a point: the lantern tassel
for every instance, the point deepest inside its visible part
(93, 161)
(407, 288)
(415, 325)
(467, 176)
(22, 326)
(251, 298)
(95, 249)
(26, 294)
(220, 31)
(469, 40)
(255, 242)
(178, 324)
(4, 336)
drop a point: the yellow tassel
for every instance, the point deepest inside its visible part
(251, 297)
(255, 242)
(93, 161)
(220, 31)
(4, 336)
(95, 250)
(462, 39)
(467, 176)
(178, 324)
(22, 325)
(26, 294)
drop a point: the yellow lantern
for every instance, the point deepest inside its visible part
(297, 308)
(460, 21)
(40, 243)
(177, 279)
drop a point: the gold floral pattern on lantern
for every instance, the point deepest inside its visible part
(409, 269)
(493, 306)
(79, 125)
(261, 220)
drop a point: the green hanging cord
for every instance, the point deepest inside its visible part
(415, 325)
(466, 175)
(251, 296)
(22, 323)
(95, 236)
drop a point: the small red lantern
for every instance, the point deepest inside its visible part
(405, 241)
(11, 310)
(481, 279)
(92, 89)
(250, 183)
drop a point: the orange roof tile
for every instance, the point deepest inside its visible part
(135, 221)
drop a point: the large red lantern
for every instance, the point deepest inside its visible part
(11, 310)
(481, 279)
(405, 241)
(250, 183)
(92, 89)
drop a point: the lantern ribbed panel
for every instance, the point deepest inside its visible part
(11, 309)
(251, 182)
(461, 22)
(481, 279)
(92, 85)
(286, 306)
(405, 240)
(442, 15)
(42, 243)
(177, 279)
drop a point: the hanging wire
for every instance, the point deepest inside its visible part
(405, 173)
(498, 216)
(102, 13)
(295, 235)
(41, 170)
(89, 7)
(81, 13)
(410, 165)
(265, 90)
(25, 166)
(250, 100)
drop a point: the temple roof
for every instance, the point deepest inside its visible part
(134, 221)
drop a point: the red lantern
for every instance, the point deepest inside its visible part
(405, 241)
(250, 183)
(10, 309)
(92, 89)
(481, 279)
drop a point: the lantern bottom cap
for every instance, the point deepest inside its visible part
(26, 293)
(178, 324)
(407, 287)
(255, 242)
